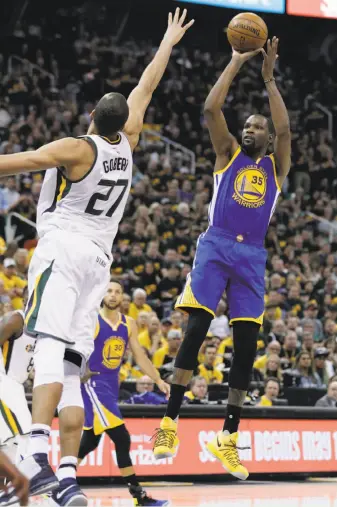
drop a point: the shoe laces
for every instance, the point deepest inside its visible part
(164, 437)
(230, 451)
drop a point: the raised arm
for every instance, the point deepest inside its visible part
(279, 113)
(141, 96)
(75, 155)
(224, 143)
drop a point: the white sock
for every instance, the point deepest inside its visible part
(38, 440)
(67, 468)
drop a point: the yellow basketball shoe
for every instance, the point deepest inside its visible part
(166, 441)
(224, 448)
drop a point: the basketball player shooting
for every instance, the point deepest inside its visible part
(230, 254)
(81, 204)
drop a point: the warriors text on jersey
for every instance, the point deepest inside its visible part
(244, 196)
(16, 356)
(94, 205)
(100, 393)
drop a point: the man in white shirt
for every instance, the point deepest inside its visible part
(219, 326)
(10, 192)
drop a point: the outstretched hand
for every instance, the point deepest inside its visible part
(269, 59)
(244, 57)
(175, 30)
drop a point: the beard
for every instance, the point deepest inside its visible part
(112, 306)
(249, 146)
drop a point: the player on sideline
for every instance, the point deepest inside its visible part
(16, 362)
(100, 393)
(230, 254)
(81, 204)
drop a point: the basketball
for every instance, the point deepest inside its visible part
(247, 32)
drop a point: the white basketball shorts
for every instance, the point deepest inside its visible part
(67, 280)
(15, 417)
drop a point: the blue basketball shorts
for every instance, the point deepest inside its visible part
(101, 410)
(227, 263)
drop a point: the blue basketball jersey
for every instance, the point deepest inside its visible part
(110, 345)
(244, 197)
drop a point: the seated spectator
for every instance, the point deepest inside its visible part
(198, 391)
(308, 342)
(311, 313)
(208, 368)
(143, 321)
(176, 319)
(274, 348)
(289, 350)
(278, 331)
(273, 368)
(225, 352)
(164, 357)
(138, 303)
(323, 368)
(330, 399)
(165, 326)
(145, 394)
(13, 284)
(219, 325)
(271, 392)
(151, 338)
(169, 288)
(305, 371)
(125, 305)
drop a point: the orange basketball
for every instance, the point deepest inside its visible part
(247, 32)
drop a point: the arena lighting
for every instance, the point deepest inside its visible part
(314, 8)
(276, 6)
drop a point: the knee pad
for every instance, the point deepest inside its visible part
(48, 361)
(121, 438)
(71, 393)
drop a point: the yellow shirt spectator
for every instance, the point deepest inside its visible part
(225, 344)
(211, 375)
(207, 369)
(265, 402)
(3, 246)
(134, 310)
(13, 284)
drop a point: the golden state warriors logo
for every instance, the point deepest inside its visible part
(250, 187)
(113, 352)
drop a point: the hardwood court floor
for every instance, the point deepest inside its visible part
(318, 493)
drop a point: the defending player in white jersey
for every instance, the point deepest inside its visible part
(16, 362)
(82, 201)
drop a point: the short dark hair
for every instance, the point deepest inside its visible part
(111, 114)
(113, 280)
(272, 379)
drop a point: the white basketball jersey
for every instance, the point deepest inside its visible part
(16, 356)
(93, 206)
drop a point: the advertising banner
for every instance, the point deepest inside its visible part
(314, 8)
(277, 6)
(275, 445)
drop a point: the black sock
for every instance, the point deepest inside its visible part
(232, 420)
(175, 401)
(131, 481)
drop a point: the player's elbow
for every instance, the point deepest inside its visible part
(210, 108)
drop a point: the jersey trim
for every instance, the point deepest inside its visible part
(7, 352)
(272, 158)
(118, 140)
(36, 298)
(94, 147)
(238, 151)
(57, 191)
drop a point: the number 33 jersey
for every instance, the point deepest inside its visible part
(92, 206)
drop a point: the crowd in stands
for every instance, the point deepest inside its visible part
(167, 210)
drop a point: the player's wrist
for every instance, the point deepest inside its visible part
(268, 79)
